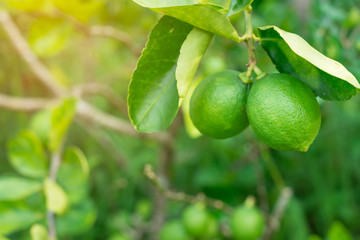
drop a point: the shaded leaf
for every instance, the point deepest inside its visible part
(56, 199)
(61, 119)
(15, 217)
(153, 99)
(73, 174)
(291, 54)
(191, 53)
(38, 232)
(237, 6)
(206, 17)
(26, 154)
(16, 188)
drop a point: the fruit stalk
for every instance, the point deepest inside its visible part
(249, 42)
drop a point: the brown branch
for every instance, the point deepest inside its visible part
(85, 110)
(278, 212)
(183, 197)
(23, 49)
(24, 104)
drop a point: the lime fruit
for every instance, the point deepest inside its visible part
(247, 223)
(217, 107)
(195, 219)
(283, 112)
(173, 230)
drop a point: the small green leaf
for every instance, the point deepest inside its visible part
(153, 99)
(16, 188)
(291, 54)
(191, 54)
(49, 36)
(56, 199)
(338, 231)
(237, 6)
(38, 232)
(78, 220)
(73, 174)
(15, 217)
(26, 155)
(61, 119)
(203, 16)
(40, 124)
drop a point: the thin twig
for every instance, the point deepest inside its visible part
(24, 104)
(85, 110)
(278, 212)
(29, 57)
(55, 162)
(183, 197)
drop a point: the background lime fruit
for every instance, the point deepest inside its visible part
(173, 230)
(195, 219)
(247, 223)
(283, 112)
(217, 107)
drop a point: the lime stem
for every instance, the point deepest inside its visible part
(250, 42)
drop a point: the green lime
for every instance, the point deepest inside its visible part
(195, 219)
(247, 223)
(212, 229)
(217, 107)
(283, 112)
(173, 230)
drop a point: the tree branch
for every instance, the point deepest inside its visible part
(183, 197)
(278, 212)
(85, 110)
(24, 104)
(23, 49)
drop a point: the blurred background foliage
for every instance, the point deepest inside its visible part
(325, 180)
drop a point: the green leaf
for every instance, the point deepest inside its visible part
(15, 188)
(202, 16)
(3, 238)
(49, 36)
(26, 155)
(15, 217)
(78, 220)
(73, 174)
(163, 3)
(291, 54)
(61, 119)
(56, 199)
(153, 99)
(38, 232)
(189, 125)
(338, 231)
(40, 124)
(191, 53)
(237, 6)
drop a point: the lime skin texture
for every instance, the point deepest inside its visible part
(283, 112)
(218, 105)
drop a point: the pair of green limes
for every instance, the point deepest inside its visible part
(281, 109)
